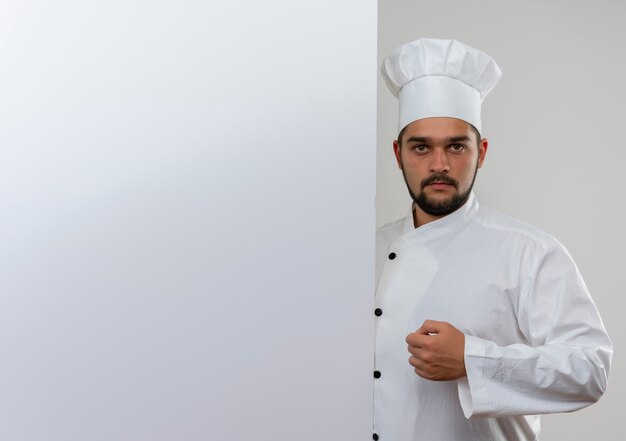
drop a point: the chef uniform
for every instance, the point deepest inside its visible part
(534, 341)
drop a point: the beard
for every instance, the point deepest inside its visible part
(440, 208)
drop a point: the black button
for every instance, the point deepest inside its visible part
(376, 374)
(392, 256)
(378, 312)
(375, 437)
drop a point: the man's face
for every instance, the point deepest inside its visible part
(439, 158)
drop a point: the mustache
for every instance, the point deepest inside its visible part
(440, 178)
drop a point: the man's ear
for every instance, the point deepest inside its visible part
(397, 152)
(482, 151)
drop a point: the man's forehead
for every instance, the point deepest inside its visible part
(438, 128)
(438, 123)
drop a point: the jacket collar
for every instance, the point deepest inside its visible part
(446, 224)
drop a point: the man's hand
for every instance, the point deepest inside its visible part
(438, 350)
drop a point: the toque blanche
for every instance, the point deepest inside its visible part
(439, 78)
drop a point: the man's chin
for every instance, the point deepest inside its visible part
(440, 205)
(438, 198)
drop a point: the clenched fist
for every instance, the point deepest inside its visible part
(437, 351)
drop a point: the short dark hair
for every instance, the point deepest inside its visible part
(474, 129)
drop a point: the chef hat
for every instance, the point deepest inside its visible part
(444, 78)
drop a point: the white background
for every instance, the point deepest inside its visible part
(556, 157)
(187, 229)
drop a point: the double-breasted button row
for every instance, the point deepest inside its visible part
(378, 312)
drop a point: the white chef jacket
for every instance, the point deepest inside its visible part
(534, 341)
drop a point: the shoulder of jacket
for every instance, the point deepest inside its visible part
(499, 222)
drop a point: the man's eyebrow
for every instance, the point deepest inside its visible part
(424, 139)
(459, 139)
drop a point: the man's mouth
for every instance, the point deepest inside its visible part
(439, 185)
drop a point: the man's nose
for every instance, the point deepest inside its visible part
(439, 162)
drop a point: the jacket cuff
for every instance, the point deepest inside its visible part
(472, 389)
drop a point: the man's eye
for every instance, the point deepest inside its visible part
(420, 147)
(457, 147)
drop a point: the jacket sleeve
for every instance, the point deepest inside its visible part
(562, 365)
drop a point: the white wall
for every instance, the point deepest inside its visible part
(187, 224)
(555, 159)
